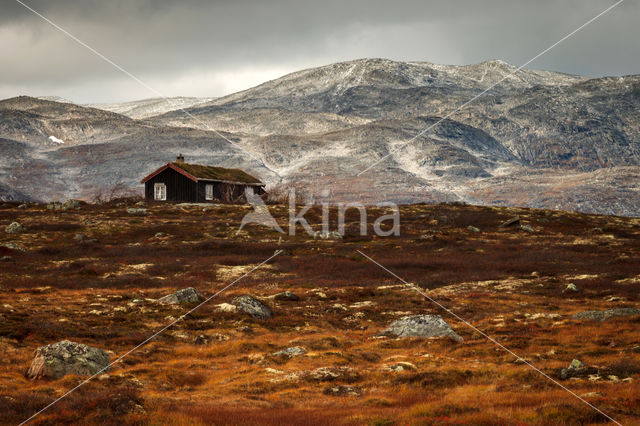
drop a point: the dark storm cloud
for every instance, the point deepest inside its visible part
(204, 48)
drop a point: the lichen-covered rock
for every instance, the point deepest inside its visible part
(137, 212)
(421, 326)
(343, 390)
(577, 369)
(186, 295)
(328, 374)
(605, 315)
(252, 306)
(226, 307)
(59, 359)
(291, 352)
(14, 228)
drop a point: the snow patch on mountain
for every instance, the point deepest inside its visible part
(56, 140)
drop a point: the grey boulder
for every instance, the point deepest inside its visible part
(186, 295)
(421, 326)
(59, 359)
(14, 228)
(605, 315)
(577, 369)
(252, 306)
(291, 352)
(137, 212)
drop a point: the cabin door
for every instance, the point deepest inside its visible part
(208, 192)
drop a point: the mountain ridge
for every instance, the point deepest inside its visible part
(320, 127)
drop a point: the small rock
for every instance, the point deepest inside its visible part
(337, 307)
(59, 359)
(342, 390)
(14, 228)
(6, 258)
(137, 212)
(23, 206)
(186, 295)
(605, 315)
(473, 228)
(399, 367)
(577, 364)
(571, 287)
(421, 326)
(332, 235)
(226, 307)
(578, 369)
(252, 306)
(287, 295)
(160, 235)
(291, 352)
(527, 228)
(219, 337)
(201, 340)
(327, 374)
(514, 221)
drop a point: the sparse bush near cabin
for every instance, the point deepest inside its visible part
(95, 404)
(435, 379)
(182, 379)
(624, 368)
(565, 414)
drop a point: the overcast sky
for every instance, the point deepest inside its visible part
(212, 48)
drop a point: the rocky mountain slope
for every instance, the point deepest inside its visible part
(536, 138)
(149, 107)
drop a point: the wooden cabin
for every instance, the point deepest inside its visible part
(193, 183)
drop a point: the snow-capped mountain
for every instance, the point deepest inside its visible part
(149, 107)
(535, 138)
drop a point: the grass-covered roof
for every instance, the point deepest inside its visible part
(217, 173)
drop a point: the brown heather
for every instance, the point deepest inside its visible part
(99, 290)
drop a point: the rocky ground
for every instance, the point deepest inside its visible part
(310, 337)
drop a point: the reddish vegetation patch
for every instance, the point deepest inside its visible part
(217, 367)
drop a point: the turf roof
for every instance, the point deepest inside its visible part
(217, 173)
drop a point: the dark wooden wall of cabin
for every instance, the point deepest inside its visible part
(225, 192)
(179, 187)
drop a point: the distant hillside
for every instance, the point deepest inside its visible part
(538, 138)
(150, 107)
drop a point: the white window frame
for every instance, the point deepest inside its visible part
(208, 191)
(160, 192)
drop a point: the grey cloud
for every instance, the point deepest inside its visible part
(166, 41)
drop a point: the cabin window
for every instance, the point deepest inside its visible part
(208, 192)
(160, 191)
